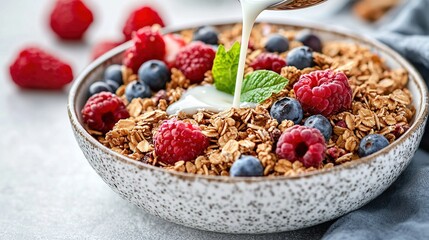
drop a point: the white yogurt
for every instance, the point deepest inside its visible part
(208, 97)
(204, 98)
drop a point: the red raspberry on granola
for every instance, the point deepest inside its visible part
(179, 141)
(139, 18)
(324, 92)
(174, 43)
(268, 61)
(304, 144)
(195, 60)
(148, 44)
(103, 110)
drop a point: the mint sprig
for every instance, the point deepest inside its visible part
(225, 67)
(257, 86)
(260, 85)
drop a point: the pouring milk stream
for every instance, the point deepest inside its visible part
(211, 99)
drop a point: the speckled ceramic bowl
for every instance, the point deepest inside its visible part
(252, 205)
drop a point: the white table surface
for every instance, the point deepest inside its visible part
(47, 189)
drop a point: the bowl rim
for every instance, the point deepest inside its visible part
(415, 76)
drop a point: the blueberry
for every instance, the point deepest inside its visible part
(371, 144)
(321, 123)
(246, 166)
(98, 87)
(137, 89)
(287, 109)
(301, 57)
(114, 72)
(310, 40)
(206, 34)
(112, 84)
(155, 74)
(277, 43)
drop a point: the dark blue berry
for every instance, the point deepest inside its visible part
(246, 166)
(137, 89)
(206, 34)
(301, 57)
(98, 87)
(114, 72)
(155, 74)
(372, 143)
(287, 109)
(321, 123)
(310, 40)
(277, 43)
(112, 84)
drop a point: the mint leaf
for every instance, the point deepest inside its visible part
(225, 67)
(260, 85)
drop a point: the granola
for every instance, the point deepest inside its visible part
(381, 104)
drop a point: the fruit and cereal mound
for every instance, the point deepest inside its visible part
(314, 104)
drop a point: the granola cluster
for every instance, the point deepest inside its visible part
(381, 104)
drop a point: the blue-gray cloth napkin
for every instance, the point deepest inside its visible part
(402, 212)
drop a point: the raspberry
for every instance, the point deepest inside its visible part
(341, 124)
(70, 19)
(268, 61)
(304, 144)
(103, 47)
(195, 60)
(174, 43)
(324, 92)
(34, 68)
(400, 129)
(178, 140)
(148, 44)
(103, 110)
(335, 152)
(141, 17)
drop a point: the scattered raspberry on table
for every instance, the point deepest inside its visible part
(179, 141)
(70, 19)
(34, 68)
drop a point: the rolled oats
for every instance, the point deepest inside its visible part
(381, 104)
